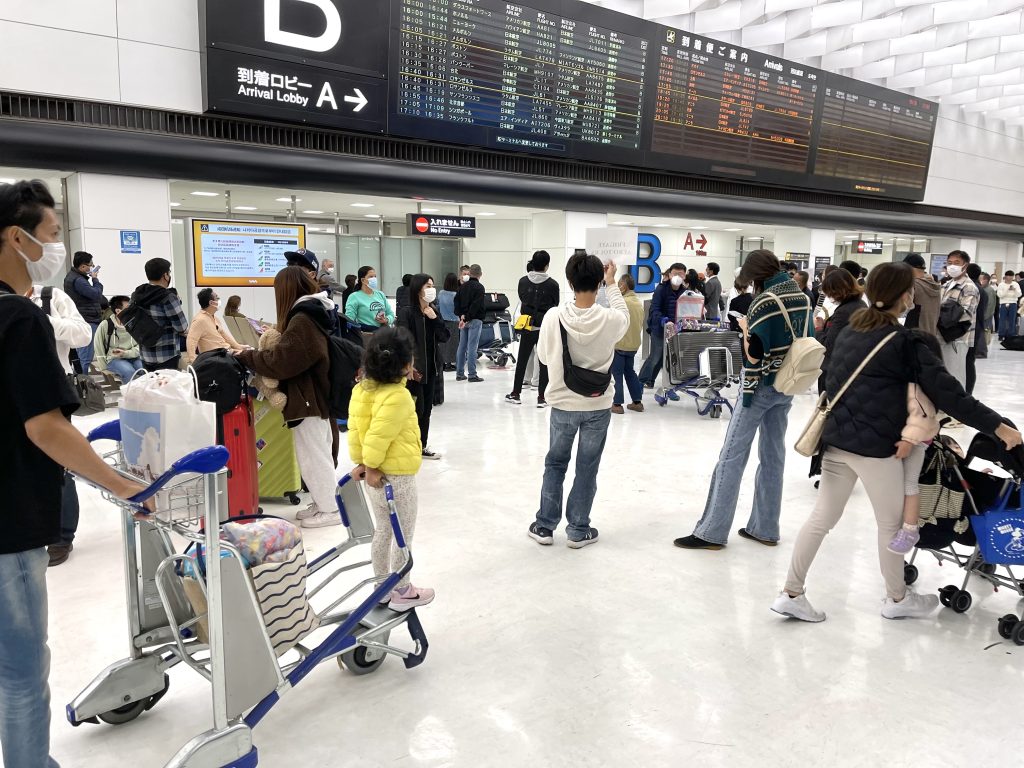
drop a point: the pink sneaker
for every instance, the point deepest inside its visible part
(410, 597)
(903, 541)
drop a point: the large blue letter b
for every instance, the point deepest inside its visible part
(648, 262)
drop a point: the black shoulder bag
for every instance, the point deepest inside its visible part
(582, 381)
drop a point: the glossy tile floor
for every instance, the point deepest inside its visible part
(629, 652)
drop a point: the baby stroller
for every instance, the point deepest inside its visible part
(966, 507)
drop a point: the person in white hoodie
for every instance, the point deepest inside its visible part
(590, 332)
(71, 331)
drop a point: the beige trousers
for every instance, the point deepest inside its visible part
(883, 481)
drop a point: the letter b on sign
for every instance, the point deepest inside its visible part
(325, 42)
(648, 263)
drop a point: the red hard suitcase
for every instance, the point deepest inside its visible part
(239, 437)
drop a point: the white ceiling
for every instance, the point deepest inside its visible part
(967, 53)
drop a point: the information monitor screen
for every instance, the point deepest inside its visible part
(242, 253)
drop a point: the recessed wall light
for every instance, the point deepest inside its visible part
(313, 213)
(173, 205)
(288, 199)
(429, 210)
(733, 229)
(485, 213)
(622, 223)
(206, 194)
(245, 208)
(698, 227)
(361, 205)
(372, 215)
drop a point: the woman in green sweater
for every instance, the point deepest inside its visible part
(368, 307)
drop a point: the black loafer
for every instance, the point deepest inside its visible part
(746, 535)
(692, 542)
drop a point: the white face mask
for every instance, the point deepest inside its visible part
(465, 278)
(49, 264)
(954, 271)
(676, 281)
(429, 294)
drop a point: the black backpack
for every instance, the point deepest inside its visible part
(582, 381)
(141, 326)
(345, 357)
(954, 323)
(222, 379)
(1014, 343)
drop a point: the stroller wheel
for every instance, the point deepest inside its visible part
(961, 601)
(946, 594)
(1018, 633)
(909, 573)
(1006, 626)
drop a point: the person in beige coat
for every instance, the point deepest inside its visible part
(205, 333)
(624, 362)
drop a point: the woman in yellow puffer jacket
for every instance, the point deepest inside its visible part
(384, 442)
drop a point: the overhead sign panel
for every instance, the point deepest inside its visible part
(872, 247)
(441, 226)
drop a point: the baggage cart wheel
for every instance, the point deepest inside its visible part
(132, 710)
(961, 601)
(1018, 633)
(362, 660)
(717, 413)
(1006, 626)
(909, 573)
(660, 400)
(293, 498)
(946, 594)
(987, 568)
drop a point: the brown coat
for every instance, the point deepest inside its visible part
(300, 362)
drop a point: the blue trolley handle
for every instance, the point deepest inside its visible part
(389, 494)
(204, 461)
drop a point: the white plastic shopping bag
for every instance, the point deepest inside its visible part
(162, 420)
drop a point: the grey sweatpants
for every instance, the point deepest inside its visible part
(384, 552)
(954, 357)
(883, 479)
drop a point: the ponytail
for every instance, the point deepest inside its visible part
(886, 286)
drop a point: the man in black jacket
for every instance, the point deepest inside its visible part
(83, 285)
(471, 307)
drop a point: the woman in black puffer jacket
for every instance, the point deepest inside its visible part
(538, 294)
(862, 432)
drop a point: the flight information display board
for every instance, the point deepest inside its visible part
(746, 113)
(523, 77)
(873, 140)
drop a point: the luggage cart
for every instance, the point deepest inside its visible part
(700, 364)
(246, 676)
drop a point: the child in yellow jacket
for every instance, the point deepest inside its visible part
(384, 441)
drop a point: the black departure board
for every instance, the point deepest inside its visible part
(747, 112)
(521, 77)
(872, 139)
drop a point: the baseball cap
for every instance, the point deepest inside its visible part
(302, 258)
(915, 260)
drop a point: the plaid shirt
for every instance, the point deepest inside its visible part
(968, 296)
(168, 314)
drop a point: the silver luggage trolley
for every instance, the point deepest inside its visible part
(239, 661)
(700, 364)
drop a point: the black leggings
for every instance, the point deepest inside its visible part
(972, 371)
(527, 342)
(423, 394)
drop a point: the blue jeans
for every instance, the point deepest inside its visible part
(1007, 320)
(768, 415)
(624, 365)
(124, 369)
(85, 354)
(652, 365)
(593, 429)
(24, 661)
(469, 340)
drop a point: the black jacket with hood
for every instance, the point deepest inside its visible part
(869, 419)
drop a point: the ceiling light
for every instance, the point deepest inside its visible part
(429, 210)
(622, 223)
(698, 227)
(8, 181)
(288, 200)
(173, 205)
(485, 213)
(245, 208)
(313, 213)
(372, 215)
(206, 194)
(361, 205)
(732, 229)
(659, 226)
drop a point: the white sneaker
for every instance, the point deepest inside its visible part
(797, 608)
(431, 455)
(308, 512)
(912, 606)
(321, 520)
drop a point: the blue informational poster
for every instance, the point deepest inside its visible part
(131, 241)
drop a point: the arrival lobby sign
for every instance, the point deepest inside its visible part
(305, 61)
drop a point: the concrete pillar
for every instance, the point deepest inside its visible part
(101, 207)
